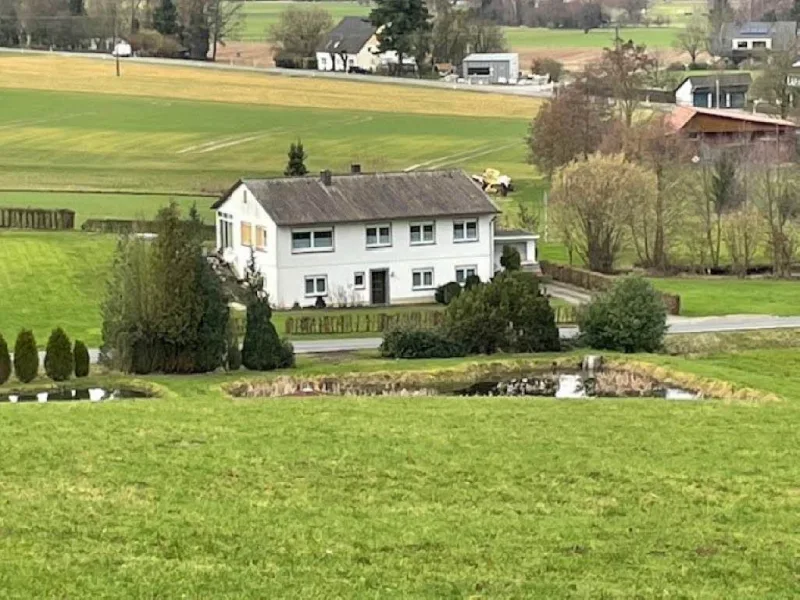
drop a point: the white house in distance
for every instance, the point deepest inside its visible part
(388, 238)
(353, 44)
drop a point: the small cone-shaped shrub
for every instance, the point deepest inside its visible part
(234, 355)
(26, 356)
(81, 356)
(5, 361)
(58, 361)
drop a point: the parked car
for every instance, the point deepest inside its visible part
(357, 70)
(122, 49)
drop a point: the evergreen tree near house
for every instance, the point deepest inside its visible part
(80, 355)
(511, 260)
(404, 24)
(165, 18)
(5, 361)
(59, 362)
(164, 309)
(296, 166)
(26, 356)
(262, 349)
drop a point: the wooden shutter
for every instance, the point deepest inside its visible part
(247, 234)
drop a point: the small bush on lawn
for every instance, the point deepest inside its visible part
(5, 361)
(419, 343)
(58, 360)
(444, 294)
(287, 358)
(234, 356)
(471, 281)
(548, 66)
(511, 260)
(630, 317)
(80, 355)
(320, 302)
(26, 356)
(508, 313)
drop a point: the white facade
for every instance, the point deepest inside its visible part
(352, 259)
(368, 58)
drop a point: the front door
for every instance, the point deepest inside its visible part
(379, 286)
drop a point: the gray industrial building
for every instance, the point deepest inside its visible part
(491, 68)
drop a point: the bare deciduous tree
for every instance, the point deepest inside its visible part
(778, 197)
(300, 30)
(595, 198)
(623, 71)
(693, 39)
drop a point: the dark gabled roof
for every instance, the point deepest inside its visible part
(782, 33)
(349, 36)
(725, 80)
(368, 197)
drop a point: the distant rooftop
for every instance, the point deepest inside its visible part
(493, 56)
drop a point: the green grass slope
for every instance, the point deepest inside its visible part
(202, 496)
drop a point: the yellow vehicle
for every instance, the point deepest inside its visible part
(492, 182)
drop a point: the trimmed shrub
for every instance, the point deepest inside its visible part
(5, 361)
(320, 302)
(511, 260)
(262, 349)
(471, 281)
(58, 360)
(419, 343)
(234, 357)
(445, 294)
(286, 355)
(80, 355)
(26, 356)
(508, 313)
(631, 317)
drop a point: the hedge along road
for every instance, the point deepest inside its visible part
(677, 325)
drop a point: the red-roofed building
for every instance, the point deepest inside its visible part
(732, 127)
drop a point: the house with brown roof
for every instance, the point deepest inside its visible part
(363, 238)
(722, 127)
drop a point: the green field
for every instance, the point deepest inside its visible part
(259, 16)
(198, 495)
(142, 144)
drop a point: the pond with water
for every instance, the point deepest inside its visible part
(93, 394)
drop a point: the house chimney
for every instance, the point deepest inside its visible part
(355, 168)
(325, 177)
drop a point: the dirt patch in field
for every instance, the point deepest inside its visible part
(251, 54)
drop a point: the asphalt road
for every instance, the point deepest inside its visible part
(676, 325)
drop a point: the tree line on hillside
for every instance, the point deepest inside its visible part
(631, 185)
(168, 28)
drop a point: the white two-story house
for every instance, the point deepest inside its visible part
(388, 238)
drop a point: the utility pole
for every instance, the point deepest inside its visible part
(115, 50)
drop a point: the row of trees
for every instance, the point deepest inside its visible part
(165, 310)
(161, 27)
(408, 28)
(60, 362)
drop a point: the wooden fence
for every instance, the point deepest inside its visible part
(34, 218)
(589, 280)
(361, 322)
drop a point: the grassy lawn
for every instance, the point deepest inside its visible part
(259, 16)
(104, 206)
(200, 495)
(702, 297)
(532, 38)
(53, 279)
(102, 142)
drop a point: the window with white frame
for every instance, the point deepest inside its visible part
(359, 280)
(316, 285)
(422, 279)
(312, 240)
(463, 272)
(379, 235)
(422, 233)
(465, 231)
(225, 230)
